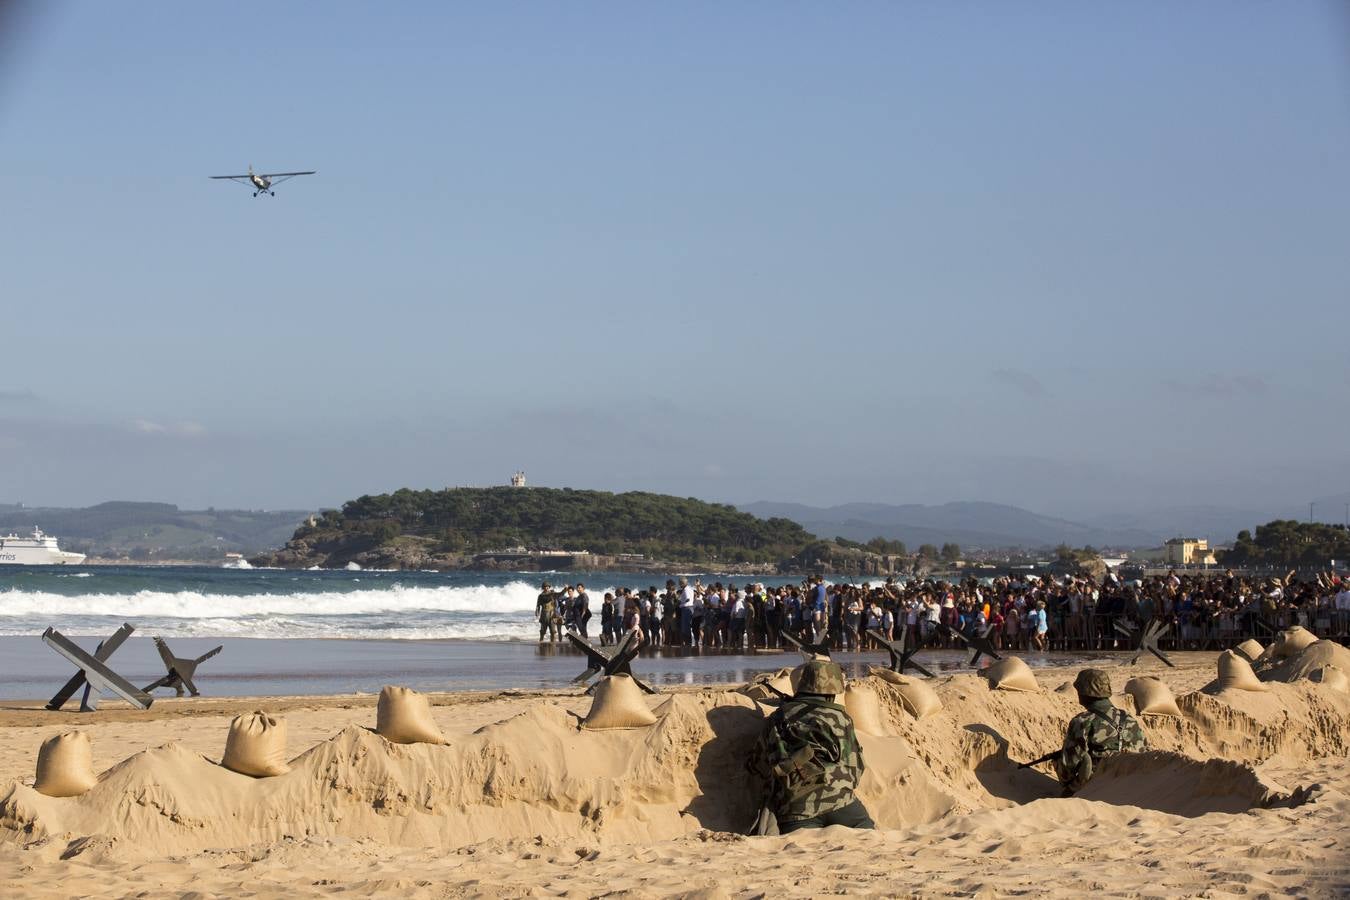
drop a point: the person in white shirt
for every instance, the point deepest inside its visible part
(737, 636)
(687, 597)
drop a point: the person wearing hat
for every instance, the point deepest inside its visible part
(809, 757)
(1104, 729)
(545, 610)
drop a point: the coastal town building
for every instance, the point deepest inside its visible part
(1184, 551)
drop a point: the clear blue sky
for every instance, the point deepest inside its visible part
(1078, 257)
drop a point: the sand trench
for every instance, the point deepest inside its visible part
(535, 778)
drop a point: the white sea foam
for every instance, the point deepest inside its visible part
(517, 596)
(280, 628)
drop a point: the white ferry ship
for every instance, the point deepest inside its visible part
(38, 550)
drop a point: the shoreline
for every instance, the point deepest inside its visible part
(287, 667)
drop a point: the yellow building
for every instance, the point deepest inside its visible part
(1189, 552)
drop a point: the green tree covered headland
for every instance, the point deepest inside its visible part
(465, 521)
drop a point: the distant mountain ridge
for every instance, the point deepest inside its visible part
(974, 524)
(155, 530)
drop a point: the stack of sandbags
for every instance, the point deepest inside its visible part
(1304, 663)
(1251, 649)
(403, 716)
(916, 695)
(1334, 677)
(65, 765)
(618, 703)
(1235, 674)
(1152, 697)
(256, 746)
(865, 710)
(1011, 674)
(1292, 642)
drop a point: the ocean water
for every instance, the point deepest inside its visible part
(320, 632)
(282, 604)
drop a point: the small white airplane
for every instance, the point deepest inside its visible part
(262, 182)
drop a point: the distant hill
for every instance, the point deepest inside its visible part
(969, 524)
(1216, 523)
(155, 530)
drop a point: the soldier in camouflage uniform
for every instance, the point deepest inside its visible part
(546, 611)
(1101, 731)
(810, 758)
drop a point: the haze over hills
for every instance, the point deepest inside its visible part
(155, 530)
(970, 524)
(977, 524)
(164, 530)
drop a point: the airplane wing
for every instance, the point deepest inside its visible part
(231, 177)
(279, 177)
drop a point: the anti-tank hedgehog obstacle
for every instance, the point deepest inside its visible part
(901, 658)
(96, 676)
(180, 669)
(1146, 639)
(981, 643)
(604, 665)
(818, 650)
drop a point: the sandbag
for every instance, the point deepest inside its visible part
(916, 695)
(403, 716)
(1334, 677)
(864, 708)
(1251, 649)
(1292, 642)
(1152, 697)
(65, 765)
(256, 746)
(1011, 674)
(1236, 674)
(618, 703)
(1307, 661)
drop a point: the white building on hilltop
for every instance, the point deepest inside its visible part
(518, 479)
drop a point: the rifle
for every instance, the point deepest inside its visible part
(1038, 760)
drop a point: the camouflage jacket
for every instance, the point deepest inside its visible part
(809, 757)
(1100, 731)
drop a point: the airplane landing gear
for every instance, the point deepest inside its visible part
(273, 193)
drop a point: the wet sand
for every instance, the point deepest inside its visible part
(250, 667)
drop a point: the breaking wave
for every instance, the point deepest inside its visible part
(410, 612)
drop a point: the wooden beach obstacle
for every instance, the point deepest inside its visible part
(818, 650)
(1145, 640)
(180, 669)
(104, 650)
(982, 643)
(901, 658)
(96, 676)
(600, 663)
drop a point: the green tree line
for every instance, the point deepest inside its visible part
(1285, 542)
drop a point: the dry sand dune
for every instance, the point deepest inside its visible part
(1244, 794)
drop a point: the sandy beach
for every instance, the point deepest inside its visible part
(1245, 794)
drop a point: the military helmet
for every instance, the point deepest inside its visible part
(1093, 683)
(821, 676)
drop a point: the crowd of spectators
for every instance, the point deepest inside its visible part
(1020, 613)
